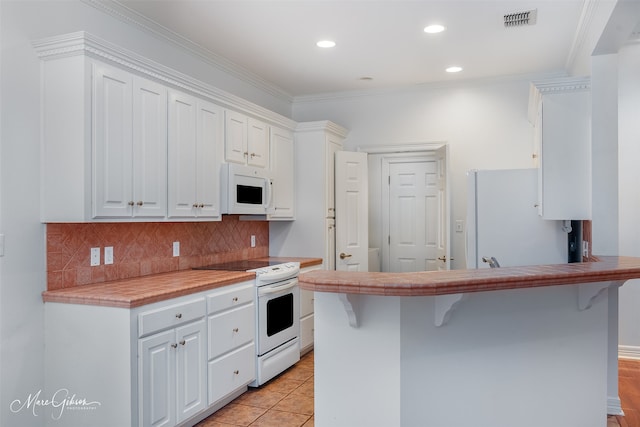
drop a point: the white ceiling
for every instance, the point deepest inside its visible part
(381, 39)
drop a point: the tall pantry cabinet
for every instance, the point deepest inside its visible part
(312, 234)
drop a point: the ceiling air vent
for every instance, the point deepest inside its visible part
(520, 18)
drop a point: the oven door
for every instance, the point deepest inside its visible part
(278, 314)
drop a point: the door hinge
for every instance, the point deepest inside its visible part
(389, 180)
(389, 240)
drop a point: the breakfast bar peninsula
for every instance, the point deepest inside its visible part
(527, 346)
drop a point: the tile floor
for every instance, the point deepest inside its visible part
(285, 401)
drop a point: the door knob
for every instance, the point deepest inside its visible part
(444, 258)
(343, 255)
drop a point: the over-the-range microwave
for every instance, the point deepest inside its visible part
(245, 190)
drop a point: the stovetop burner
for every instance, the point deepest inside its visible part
(242, 265)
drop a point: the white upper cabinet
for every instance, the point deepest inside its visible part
(246, 140)
(195, 132)
(282, 172)
(119, 143)
(129, 144)
(560, 111)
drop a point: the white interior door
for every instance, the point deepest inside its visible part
(414, 216)
(444, 209)
(351, 197)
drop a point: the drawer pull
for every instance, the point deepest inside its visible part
(174, 345)
(235, 299)
(236, 372)
(179, 316)
(235, 330)
(183, 342)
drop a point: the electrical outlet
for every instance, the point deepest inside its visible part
(176, 248)
(253, 241)
(108, 255)
(95, 257)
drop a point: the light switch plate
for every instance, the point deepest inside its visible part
(253, 241)
(108, 255)
(459, 226)
(176, 248)
(95, 257)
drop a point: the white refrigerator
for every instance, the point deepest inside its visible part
(503, 221)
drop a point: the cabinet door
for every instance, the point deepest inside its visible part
(157, 379)
(282, 170)
(235, 137)
(191, 369)
(257, 143)
(149, 149)
(112, 157)
(209, 138)
(182, 155)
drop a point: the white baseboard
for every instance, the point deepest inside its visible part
(628, 352)
(614, 407)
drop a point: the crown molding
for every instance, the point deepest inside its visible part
(323, 125)
(119, 11)
(84, 43)
(538, 88)
(583, 31)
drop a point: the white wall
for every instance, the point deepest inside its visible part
(629, 195)
(22, 269)
(484, 123)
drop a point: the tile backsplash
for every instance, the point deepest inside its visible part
(140, 249)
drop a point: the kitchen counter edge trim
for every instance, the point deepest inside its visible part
(434, 283)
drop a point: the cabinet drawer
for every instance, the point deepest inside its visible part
(306, 332)
(230, 372)
(170, 316)
(230, 329)
(231, 296)
(306, 302)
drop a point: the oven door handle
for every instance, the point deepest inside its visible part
(267, 290)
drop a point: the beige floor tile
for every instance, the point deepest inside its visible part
(282, 384)
(275, 418)
(261, 398)
(237, 415)
(297, 404)
(298, 373)
(306, 389)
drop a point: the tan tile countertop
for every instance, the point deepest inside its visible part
(138, 291)
(130, 293)
(428, 283)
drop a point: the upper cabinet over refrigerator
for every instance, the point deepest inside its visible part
(560, 111)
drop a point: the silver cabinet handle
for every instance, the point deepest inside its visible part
(131, 203)
(174, 345)
(179, 316)
(183, 342)
(236, 372)
(236, 330)
(140, 203)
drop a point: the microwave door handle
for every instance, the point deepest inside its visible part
(268, 184)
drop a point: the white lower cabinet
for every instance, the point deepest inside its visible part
(307, 315)
(232, 354)
(172, 375)
(167, 363)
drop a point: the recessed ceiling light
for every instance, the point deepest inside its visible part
(454, 69)
(326, 43)
(433, 29)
